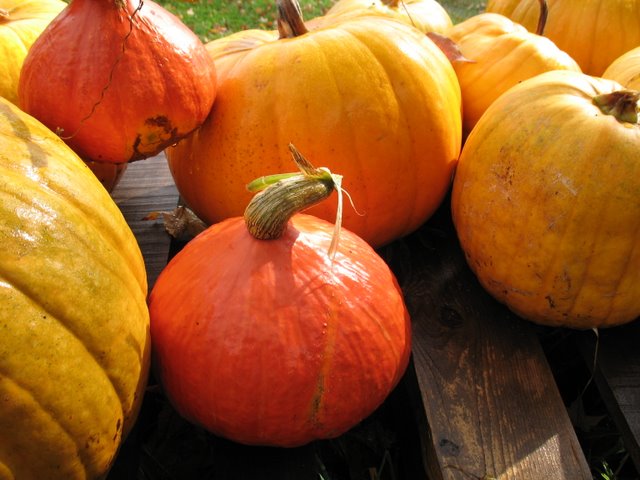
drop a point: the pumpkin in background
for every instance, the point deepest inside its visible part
(593, 32)
(425, 15)
(21, 21)
(75, 348)
(546, 200)
(626, 69)
(499, 54)
(263, 336)
(370, 97)
(119, 80)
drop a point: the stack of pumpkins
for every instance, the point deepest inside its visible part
(538, 151)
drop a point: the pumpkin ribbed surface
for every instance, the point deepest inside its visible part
(269, 341)
(625, 69)
(74, 349)
(546, 202)
(370, 98)
(21, 21)
(593, 32)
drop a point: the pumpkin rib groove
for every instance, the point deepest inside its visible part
(37, 301)
(54, 420)
(82, 210)
(88, 219)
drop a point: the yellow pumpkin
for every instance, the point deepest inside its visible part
(425, 15)
(74, 349)
(371, 98)
(502, 54)
(593, 32)
(626, 69)
(21, 22)
(546, 200)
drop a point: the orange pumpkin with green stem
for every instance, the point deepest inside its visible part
(372, 97)
(546, 200)
(266, 334)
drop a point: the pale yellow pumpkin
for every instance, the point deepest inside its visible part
(626, 69)
(21, 22)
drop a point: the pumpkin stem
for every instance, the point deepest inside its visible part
(391, 3)
(290, 23)
(283, 195)
(4, 15)
(624, 105)
(542, 19)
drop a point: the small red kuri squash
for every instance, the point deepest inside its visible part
(119, 80)
(263, 337)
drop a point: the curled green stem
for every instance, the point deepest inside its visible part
(284, 195)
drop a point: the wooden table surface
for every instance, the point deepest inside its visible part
(478, 401)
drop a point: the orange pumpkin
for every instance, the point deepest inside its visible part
(118, 80)
(21, 21)
(501, 54)
(593, 32)
(371, 97)
(75, 344)
(425, 15)
(626, 69)
(545, 200)
(261, 336)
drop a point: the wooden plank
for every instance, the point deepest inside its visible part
(147, 186)
(490, 401)
(617, 376)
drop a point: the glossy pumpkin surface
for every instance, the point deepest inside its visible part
(501, 54)
(593, 32)
(120, 83)
(371, 99)
(21, 21)
(546, 203)
(74, 349)
(626, 69)
(425, 15)
(270, 342)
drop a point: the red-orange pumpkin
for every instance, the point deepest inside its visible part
(120, 80)
(270, 341)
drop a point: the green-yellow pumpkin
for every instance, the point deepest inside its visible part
(21, 22)
(74, 349)
(546, 200)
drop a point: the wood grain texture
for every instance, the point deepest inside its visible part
(492, 405)
(145, 187)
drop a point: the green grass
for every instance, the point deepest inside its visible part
(211, 19)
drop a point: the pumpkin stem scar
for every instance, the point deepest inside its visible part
(4, 15)
(280, 196)
(119, 4)
(624, 105)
